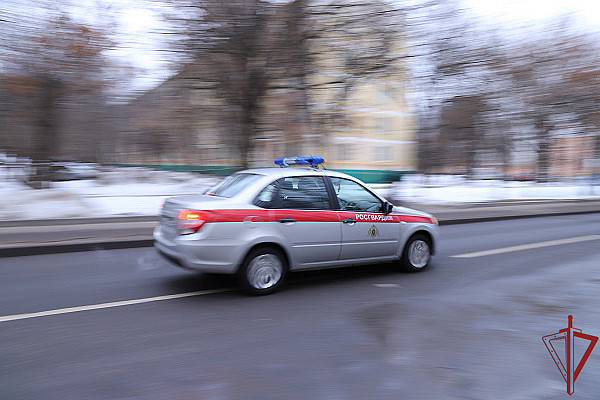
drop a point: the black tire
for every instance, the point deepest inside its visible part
(409, 263)
(270, 274)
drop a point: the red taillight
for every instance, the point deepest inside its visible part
(190, 221)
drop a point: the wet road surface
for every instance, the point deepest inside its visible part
(96, 325)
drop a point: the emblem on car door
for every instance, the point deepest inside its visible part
(373, 231)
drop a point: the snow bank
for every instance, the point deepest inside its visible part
(126, 191)
(444, 189)
(18, 201)
(139, 191)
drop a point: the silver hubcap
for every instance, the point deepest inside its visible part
(264, 271)
(418, 253)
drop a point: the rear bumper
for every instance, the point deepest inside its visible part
(199, 254)
(168, 256)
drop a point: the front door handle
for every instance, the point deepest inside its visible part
(349, 221)
(286, 220)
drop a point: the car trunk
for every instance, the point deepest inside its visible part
(172, 206)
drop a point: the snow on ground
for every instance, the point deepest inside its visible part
(455, 190)
(139, 191)
(125, 191)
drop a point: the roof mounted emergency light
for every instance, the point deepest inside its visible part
(312, 161)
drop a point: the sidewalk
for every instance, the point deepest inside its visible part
(18, 238)
(32, 237)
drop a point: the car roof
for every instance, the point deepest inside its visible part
(283, 172)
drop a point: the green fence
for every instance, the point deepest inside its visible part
(365, 175)
(199, 169)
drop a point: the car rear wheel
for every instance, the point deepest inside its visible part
(263, 271)
(417, 253)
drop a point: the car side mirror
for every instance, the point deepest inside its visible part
(387, 207)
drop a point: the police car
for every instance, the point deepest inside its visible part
(261, 223)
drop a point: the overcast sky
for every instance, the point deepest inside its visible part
(535, 11)
(138, 46)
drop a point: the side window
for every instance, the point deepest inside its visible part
(303, 193)
(354, 197)
(266, 197)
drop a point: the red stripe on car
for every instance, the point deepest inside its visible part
(414, 219)
(311, 216)
(308, 216)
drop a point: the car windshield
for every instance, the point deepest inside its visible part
(233, 184)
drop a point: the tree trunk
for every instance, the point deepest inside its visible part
(543, 150)
(46, 129)
(247, 133)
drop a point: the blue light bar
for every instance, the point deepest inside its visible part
(312, 161)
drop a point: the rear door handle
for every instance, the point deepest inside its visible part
(286, 220)
(349, 221)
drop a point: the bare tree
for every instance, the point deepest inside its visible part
(50, 61)
(532, 88)
(553, 77)
(228, 37)
(255, 48)
(450, 60)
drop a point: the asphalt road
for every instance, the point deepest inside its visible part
(469, 327)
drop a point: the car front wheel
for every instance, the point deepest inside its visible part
(417, 253)
(263, 271)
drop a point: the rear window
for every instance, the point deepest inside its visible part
(233, 184)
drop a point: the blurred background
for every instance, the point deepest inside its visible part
(473, 110)
(381, 89)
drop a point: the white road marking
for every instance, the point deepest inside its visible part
(386, 285)
(529, 246)
(90, 307)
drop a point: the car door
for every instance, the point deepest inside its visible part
(367, 232)
(307, 221)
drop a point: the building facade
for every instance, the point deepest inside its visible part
(348, 104)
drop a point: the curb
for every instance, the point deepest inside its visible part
(91, 245)
(459, 221)
(76, 221)
(37, 250)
